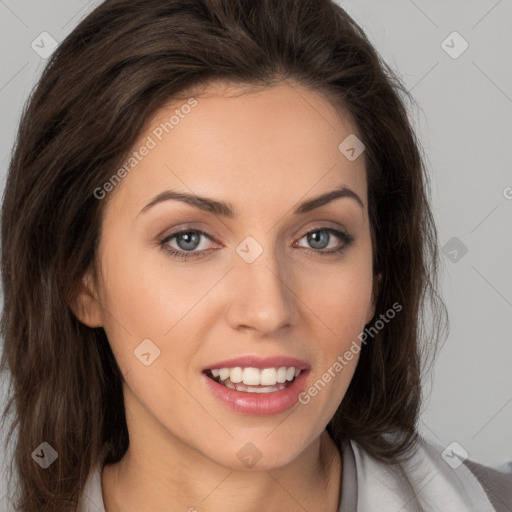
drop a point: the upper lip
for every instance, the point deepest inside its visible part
(259, 362)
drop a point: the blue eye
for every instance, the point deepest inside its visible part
(188, 240)
(325, 236)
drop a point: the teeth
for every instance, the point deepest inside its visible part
(223, 373)
(281, 374)
(256, 377)
(236, 375)
(268, 377)
(264, 389)
(251, 376)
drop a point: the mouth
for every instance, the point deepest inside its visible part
(255, 380)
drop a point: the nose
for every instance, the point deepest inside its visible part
(262, 297)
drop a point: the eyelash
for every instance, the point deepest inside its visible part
(345, 237)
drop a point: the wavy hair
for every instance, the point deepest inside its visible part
(102, 84)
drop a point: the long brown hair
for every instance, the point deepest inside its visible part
(100, 87)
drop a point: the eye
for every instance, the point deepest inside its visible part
(188, 241)
(319, 239)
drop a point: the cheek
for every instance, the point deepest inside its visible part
(148, 297)
(150, 294)
(341, 297)
(338, 320)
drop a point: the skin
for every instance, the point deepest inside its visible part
(183, 442)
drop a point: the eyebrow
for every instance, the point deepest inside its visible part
(225, 209)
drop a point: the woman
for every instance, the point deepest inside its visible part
(216, 245)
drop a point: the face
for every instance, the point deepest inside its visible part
(258, 283)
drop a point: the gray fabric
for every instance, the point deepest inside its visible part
(497, 485)
(348, 502)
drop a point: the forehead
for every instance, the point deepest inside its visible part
(237, 143)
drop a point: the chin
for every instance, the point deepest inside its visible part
(262, 453)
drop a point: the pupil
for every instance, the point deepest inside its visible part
(191, 239)
(313, 239)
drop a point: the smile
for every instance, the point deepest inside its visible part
(277, 390)
(255, 380)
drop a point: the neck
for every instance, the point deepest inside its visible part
(155, 481)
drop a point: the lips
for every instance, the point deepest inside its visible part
(258, 404)
(257, 386)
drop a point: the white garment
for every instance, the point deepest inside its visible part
(371, 486)
(429, 484)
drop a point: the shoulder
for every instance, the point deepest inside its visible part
(431, 480)
(497, 483)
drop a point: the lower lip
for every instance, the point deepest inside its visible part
(258, 404)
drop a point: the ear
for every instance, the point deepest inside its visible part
(375, 293)
(86, 306)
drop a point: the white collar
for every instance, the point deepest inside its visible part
(423, 483)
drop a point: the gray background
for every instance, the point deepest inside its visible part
(464, 123)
